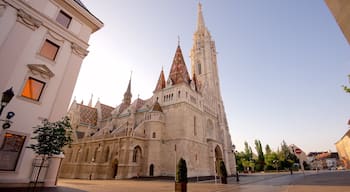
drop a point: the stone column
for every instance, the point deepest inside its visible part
(52, 170)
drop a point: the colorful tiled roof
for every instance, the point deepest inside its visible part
(157, 107)
(138, 103)
(178, 73)
(106, 111)
(88, 115)
(161, 82)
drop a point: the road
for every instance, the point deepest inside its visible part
(334, 181)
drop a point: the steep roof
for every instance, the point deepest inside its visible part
(88, 115)
(106, 111)
(178, 72)
(161, 82)
(157, 107)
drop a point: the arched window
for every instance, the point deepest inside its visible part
(210, 128)
(136, 156)
(151, 170)
(86, 159)
(194, 126)
(154, 135)
(78, 154)
(95, 154)
(106, 155)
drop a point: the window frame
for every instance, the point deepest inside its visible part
(20, 152)
(54, 44)
(44, 84)
(64, 15)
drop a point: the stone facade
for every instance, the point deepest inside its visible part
(185, 118)
(42, 46)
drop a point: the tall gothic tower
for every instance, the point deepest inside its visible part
(205, 69)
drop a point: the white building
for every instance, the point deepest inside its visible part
(42, 46)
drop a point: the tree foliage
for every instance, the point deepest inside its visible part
(260, 163)
(51, 137)
(282, 159)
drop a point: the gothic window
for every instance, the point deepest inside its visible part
(136, 156)
(199, 69)
(77, 155)
(210, 127)
(154, 135)
(33, 89)
(86, 159)
(194, 125)
(106, 155)
(151, 170)
(95, 154)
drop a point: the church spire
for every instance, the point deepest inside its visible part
(90, 102)
(127, 94)
(161, 82)
(200, 19)
(178, 72)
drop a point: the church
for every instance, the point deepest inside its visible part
(185, 118)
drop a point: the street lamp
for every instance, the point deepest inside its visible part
(235, 152)
(6, 98)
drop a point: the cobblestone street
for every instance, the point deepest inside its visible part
(282, 182)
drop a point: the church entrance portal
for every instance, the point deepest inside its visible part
(115, 173)
(151, 170)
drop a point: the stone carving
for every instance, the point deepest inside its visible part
(79, 50)
(2, 9)
(28, 20)
(41, 69)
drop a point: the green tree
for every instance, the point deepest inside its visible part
(261, 159)
(268, 149)
(286, 158)
(346, 89)
(50, 138)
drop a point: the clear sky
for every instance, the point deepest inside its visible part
(281, 63)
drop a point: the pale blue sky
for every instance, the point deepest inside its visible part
(281, 63)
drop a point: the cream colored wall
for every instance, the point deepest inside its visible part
(19, 45)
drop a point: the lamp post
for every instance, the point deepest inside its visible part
(6, 98)
(235, 152)
(237, 175)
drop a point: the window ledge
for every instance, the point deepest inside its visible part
(28, 100)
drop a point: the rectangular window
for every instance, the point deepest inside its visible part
(63, 19)
(199, 69)
(10, 151)
(49, 50)
(33, 89)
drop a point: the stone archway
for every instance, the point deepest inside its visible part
(218, 157)
(151, 170)
(115, 168)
